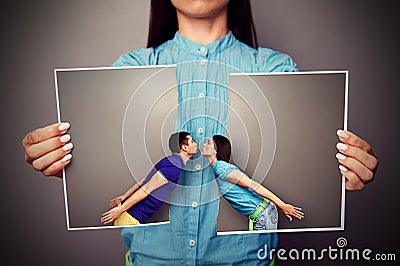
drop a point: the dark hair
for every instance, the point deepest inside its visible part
(164, 23)
(223, 147)
(176, 140)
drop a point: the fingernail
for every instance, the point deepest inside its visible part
(64, 126)
(342, 134)
(342, 168)
(341, 146)
(65, 138)
(340, 156)
(68, 147)
(67, 157)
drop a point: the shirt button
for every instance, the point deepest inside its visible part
(194, 204)
(192, 242)
(197, 166)
(201, 95)
(202, 49)
(203, 62)
(200, 130)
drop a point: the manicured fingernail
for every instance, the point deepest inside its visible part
(68, 147)
(342, 168)
(65, 138)
(341, 146)
(64, 126)
(340, 156)
(67, 157)
(342, 134)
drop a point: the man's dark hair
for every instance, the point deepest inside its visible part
(176, 140)
(164, 23)
(223, 147)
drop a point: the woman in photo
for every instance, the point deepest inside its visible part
(247, 196)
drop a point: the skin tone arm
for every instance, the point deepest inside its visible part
(242, 180)
(116, 201)
(156, 181)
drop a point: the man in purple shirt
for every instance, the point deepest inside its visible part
(146, 197)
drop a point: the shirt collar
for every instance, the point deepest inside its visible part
(215, 164)
(208, 49)
(184, 160)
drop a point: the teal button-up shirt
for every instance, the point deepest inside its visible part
(202, 76)
(244, 200)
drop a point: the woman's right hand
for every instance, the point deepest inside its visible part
(48, 148)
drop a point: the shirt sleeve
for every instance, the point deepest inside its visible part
(139, 57)
(171, 173)
(163, 178)
(222, 168)
(269, 60)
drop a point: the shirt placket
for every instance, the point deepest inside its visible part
(200, 123)
(193, 87)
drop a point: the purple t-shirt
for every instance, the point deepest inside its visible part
(171, 167)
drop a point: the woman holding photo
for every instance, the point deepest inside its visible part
(215, 37)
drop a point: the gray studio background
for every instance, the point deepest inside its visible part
(38, 36)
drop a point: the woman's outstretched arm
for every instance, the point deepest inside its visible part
(243, 180)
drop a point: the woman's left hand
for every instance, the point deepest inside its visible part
(358, 162)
